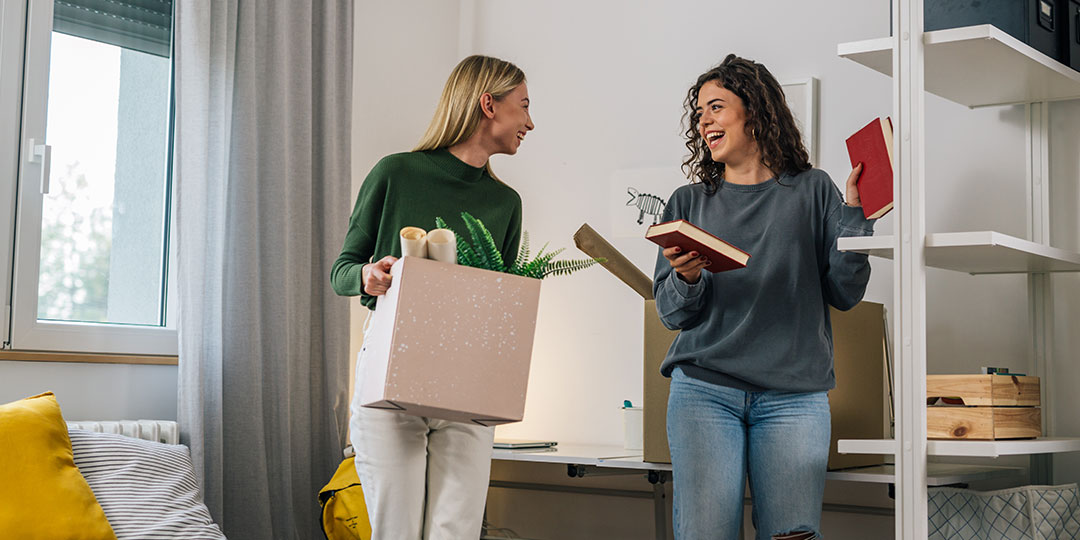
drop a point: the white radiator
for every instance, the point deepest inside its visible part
(162, 431)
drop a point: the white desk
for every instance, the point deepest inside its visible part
(601, 460)
(568, 454)
(597, 461)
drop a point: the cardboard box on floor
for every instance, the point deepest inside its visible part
(857, 403)
(451, 342)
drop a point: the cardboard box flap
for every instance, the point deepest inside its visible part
(594, 245)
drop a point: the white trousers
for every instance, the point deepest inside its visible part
(423, 478)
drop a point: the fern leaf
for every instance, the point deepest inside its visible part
(536, 267)
(465, 254)
(522, 254)
(493, 251)
(483, 243)
(528, 268)
(566, 267)
(482, 255)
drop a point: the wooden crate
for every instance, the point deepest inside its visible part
(985, 390)
(983, 423)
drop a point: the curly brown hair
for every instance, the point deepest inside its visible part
(769, 122)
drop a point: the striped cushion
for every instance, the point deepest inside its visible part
(147, 489)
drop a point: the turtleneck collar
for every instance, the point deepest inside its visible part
(454, 166)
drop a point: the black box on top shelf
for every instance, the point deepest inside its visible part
(1070, 46)
(1039, 23)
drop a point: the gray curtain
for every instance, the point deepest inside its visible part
(262, 174)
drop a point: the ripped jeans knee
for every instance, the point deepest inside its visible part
(798, 534)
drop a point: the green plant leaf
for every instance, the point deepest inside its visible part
(568, 266)
(465, 254)
(484, 254)
(522, 255)
(483, 244)
(538, 266)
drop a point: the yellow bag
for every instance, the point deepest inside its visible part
(344, 515)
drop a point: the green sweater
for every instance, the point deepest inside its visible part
(412, 189)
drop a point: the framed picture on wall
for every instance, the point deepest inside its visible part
(802, 98)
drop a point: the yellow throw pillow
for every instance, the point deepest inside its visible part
(42, 494)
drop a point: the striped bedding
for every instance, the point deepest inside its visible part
(147, 489)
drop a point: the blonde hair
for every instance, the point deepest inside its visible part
(458, 114)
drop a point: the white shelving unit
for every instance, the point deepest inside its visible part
(937, 474)
(977, 66)
(979, 252)
(990, 449)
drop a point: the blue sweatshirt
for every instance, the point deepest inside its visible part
(766, 326)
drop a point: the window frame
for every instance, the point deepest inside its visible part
(24, 331)
(12, 40)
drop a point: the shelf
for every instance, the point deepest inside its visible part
(937, 474)
(977, 66)
(981, 252)
(1048, 445)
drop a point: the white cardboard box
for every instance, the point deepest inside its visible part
(451, 342)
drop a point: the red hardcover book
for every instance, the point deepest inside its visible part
(721, 255)
(873, 147)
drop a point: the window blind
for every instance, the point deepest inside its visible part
(142, 25)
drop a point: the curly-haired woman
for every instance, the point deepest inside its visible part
(753, 361)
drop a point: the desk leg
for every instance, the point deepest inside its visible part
(658, 479)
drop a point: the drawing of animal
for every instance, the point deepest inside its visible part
(646, 204)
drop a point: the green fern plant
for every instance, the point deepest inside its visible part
(484, 254)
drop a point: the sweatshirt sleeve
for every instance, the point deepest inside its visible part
(846, 272)
(346, 275)
(679, 304)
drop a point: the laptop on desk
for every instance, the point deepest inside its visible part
(519, 444)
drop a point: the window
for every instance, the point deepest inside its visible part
(92, 250)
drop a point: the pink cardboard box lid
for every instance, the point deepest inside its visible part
(451, 342)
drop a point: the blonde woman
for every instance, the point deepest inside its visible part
(425, 478)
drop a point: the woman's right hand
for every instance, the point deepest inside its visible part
(377, 276)
(687, 266)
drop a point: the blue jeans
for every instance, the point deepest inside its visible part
(719, 436)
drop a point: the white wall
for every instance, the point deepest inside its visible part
(607, 79)
(95, 391)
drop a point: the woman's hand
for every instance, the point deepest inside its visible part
(688, 266)
(851, 195)
(377, 276)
